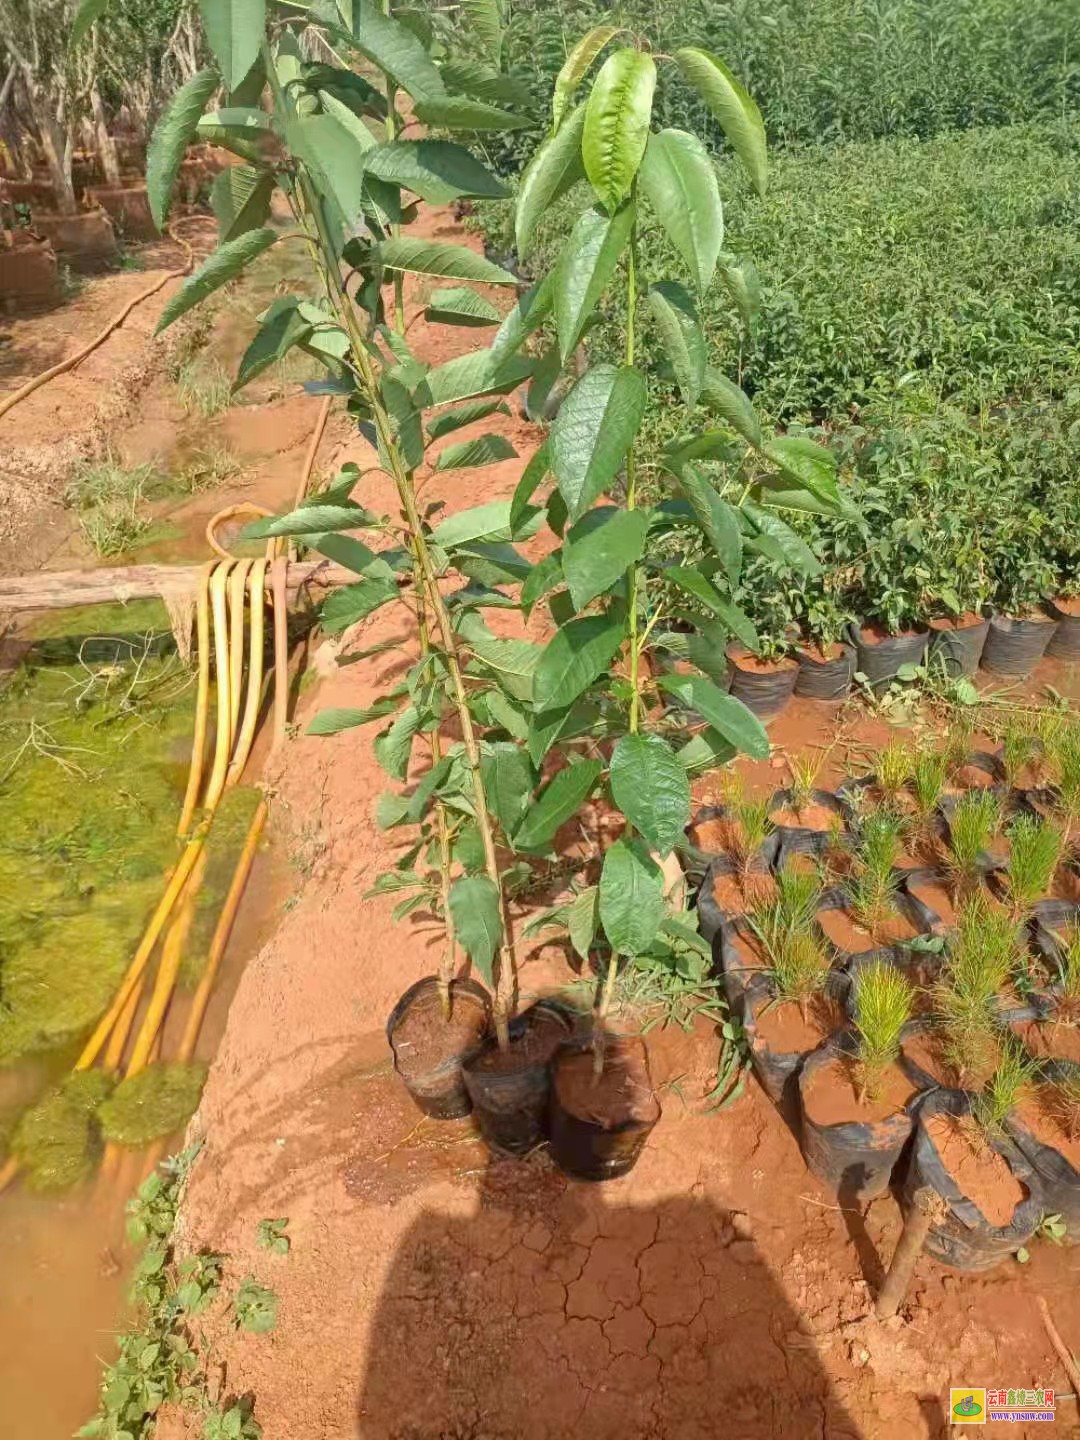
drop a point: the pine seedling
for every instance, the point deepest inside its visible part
(749, 826)
(1035, 847)
(958, 744)
(1002, 1092)
(872, 888)
(800, 965)
(789, 911)
(883, 1004)
(929, 771)
(1069, 976)
(805, 770)
(1066, 1101)
(1065, 755)
(975, 821)
(893, 770)
(1019, 748)
(979, 962)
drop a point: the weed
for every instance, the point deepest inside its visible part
(1052, 1228)
(270, 1235)
(208, 469)
(157, 1101)
(883, 1003)
(255, 1307)
(975, 820)
(204, 388)
(999, 1096)
(1035, 847)
(108, 497)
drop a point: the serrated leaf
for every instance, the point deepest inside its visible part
(434, 257)
(352, 603)
(593, 430)
(223, 265)
(574, 657)
(234, 31)
(532, 477)
(171, 137)
(458, 112)
(599, 549)
(719, 521)
(311, 519)
(733, 404)
(617, 115)
(792, 548)
(575, 67)
(531, 310)
(508, 778)
(585, 267)
(631, 897)
(333, 722)
(483, 450)
(240, 199)
(450, 420)
(739, 117)
(478, 929)
(810, 465)
(744, 286)
(582, 918)
(738, 725)
(436, 170)
(651, 789)
(679, 180)
(553, 170)
(474, 374)
(684, 344)
(490, 521)
(394, 49)
(512, 662)
(560, 798)
(394, 746)
(701, 588)
(460, 306)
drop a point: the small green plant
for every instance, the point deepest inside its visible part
(805, 770)
(1000, 1095)
(980, 959)
(1035, 847)
(255, 1307)
(208, 469)
(1066, 1100)
(893, 770)
(204, 387)
(270, 1235)
(108, 497)
(235, 1423)
(929, 771)
(874, 882)
(1052, 1228)
(1019, 748)
(749, 825)
(883, 1004)
(1065, 759)
(1068, 963)
(975, 820)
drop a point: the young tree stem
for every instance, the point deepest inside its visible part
(601, 1015)
(631, 494)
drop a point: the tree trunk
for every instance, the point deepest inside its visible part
(56, 147)
(106, 146)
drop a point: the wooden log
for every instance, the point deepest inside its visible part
(61, 589)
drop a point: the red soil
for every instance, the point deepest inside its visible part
(810, 817)
(784, 1030)
(832, 1097)
(980, 1173)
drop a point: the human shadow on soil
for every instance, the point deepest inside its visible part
(559, 1308)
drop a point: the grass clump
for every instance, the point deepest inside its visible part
(57, 1141)
(874, 882)
(154, 1103)
(1068, 964)
(1064, 755)
(1035, 847)
(894, 765)
(980, 961)
(109, 497)
(929, 771)
(796, 954)
(1000, 1095)
(1065, 1101)
(1019, 751)
(204, 387)
(883, 1004)
(208, 469)
(975, 820)
(748, 826)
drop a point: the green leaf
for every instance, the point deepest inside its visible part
(171, 137)
(234, 32)
(553, 170)
(223, 265)
(701, 588)
(531, 310)
(744, 286)
(393, 49)
(434, 257)
(351, 603)
(575, 67)
(546, 575)
(486, 21)
(631, 897)
(484, 450)
(593, 430)
(469, 77)
(458, 112)
(240, 198)
(490, 521)
(474, 374)
(508, 778)
(436, 170)
(651, 789)
(740, 119)
(333, 722)
(718, 520)
(390, 810)
(582, 919)
(280, 328)
(334, 154)
(311, 519)
(617, 116)
(245, 131)
(679, 180)
(348, 119)
(810, 465)
(394, 746)
(676, 319)
(256, 1307)
(561, 798)
(732, 403)
(474, 908)
(574, 657)
(532, 477)
(599, 550)
(706, 750)
(88, 13)
(738, 725)
(792, 548)
(585, 267)
(450, 420)
(512, 662)
(460, 306)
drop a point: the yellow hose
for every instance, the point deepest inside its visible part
(231, 512)
(237, 592)
(246, 737)
(279, 573)
(222, 671)
(202, 704)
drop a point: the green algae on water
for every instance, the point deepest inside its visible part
(157, 1101)
(57, 1141)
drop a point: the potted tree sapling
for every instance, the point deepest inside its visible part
(1022, 580)
(855, 1098)
(801, 812)
(1053, 1035)
(1045, 1123)
(1035, 849)
(825, 654)
(741, 875)
(874, 912)
(974, 825)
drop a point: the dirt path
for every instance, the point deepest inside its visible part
(432, 1295)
